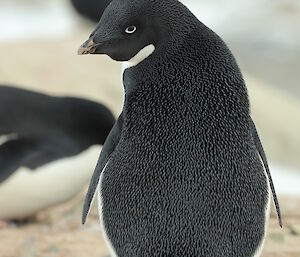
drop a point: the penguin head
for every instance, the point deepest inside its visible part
(127, 27)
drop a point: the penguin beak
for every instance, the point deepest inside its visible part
(89, 47)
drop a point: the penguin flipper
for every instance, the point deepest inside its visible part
(262, 154)
(13, 153)
(30, 153)
(109, 146)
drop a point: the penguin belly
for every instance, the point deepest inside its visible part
(101, 218)
(27, 191)
(259, 249)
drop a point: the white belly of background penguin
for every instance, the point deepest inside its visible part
(183, 171)
(26, 192)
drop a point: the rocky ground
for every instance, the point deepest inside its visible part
(58, 233)
(53, 67)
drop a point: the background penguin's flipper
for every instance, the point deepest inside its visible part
(109, 146)
(24, 152)
(12, 156)
(262, 154)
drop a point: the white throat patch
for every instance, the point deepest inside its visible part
(139, 57)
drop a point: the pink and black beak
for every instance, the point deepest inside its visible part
(88, 47)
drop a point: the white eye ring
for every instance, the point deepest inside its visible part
(130, 29)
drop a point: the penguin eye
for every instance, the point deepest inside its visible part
(130, 29)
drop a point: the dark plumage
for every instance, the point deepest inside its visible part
(184, 175)
(91, 9)
(46, 128)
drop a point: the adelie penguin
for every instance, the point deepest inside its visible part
(183, 172)
(48, 149)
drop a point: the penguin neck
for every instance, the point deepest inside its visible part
(139, 57)
(197, 69)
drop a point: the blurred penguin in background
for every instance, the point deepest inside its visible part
(91, 9)
(48, 149)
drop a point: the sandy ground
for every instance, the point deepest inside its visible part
(53, 67)
(58, 233)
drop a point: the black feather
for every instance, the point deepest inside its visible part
(47, 128)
